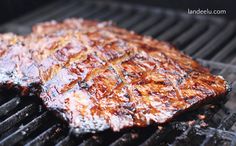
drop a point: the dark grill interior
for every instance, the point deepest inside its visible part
(210, 40)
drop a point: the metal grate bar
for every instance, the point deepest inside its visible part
(200, 41)
(9, 106)
(230, 47)
(3, 99)
(76, 9)
(206, 137)
(222, 37)
(68, 141)
(228, 68)
(158, 136)
(24, 131)
(192, 137)
(93, 11)
(73, 12)
(175, 30)
(40, 12)
(219, 65)
(190, 34)
(133, 20)
(122, 17)
(93, 141)
(190, 132)
(233, 61)
(183, 136)
(126, 139)
(17, 117)
(228, 122)
(109, 13)
(218, 137)
(102, 12)
(217, 118)
(161, 26)
(51, 15)
(149, 22)
(46, 136)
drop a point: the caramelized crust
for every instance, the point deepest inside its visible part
(98, 76)
(114, 78)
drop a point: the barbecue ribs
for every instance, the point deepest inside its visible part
(97, 76)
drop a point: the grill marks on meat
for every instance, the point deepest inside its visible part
(98, 76)
(125, 80)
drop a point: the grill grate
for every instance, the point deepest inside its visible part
(211, 39)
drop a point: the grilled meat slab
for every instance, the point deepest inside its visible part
(98, 76)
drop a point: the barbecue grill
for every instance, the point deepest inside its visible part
(210, 40)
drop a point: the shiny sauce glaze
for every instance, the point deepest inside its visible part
(98, 76)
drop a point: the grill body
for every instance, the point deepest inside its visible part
(210, 40)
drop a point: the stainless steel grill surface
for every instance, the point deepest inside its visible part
(211, 40)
